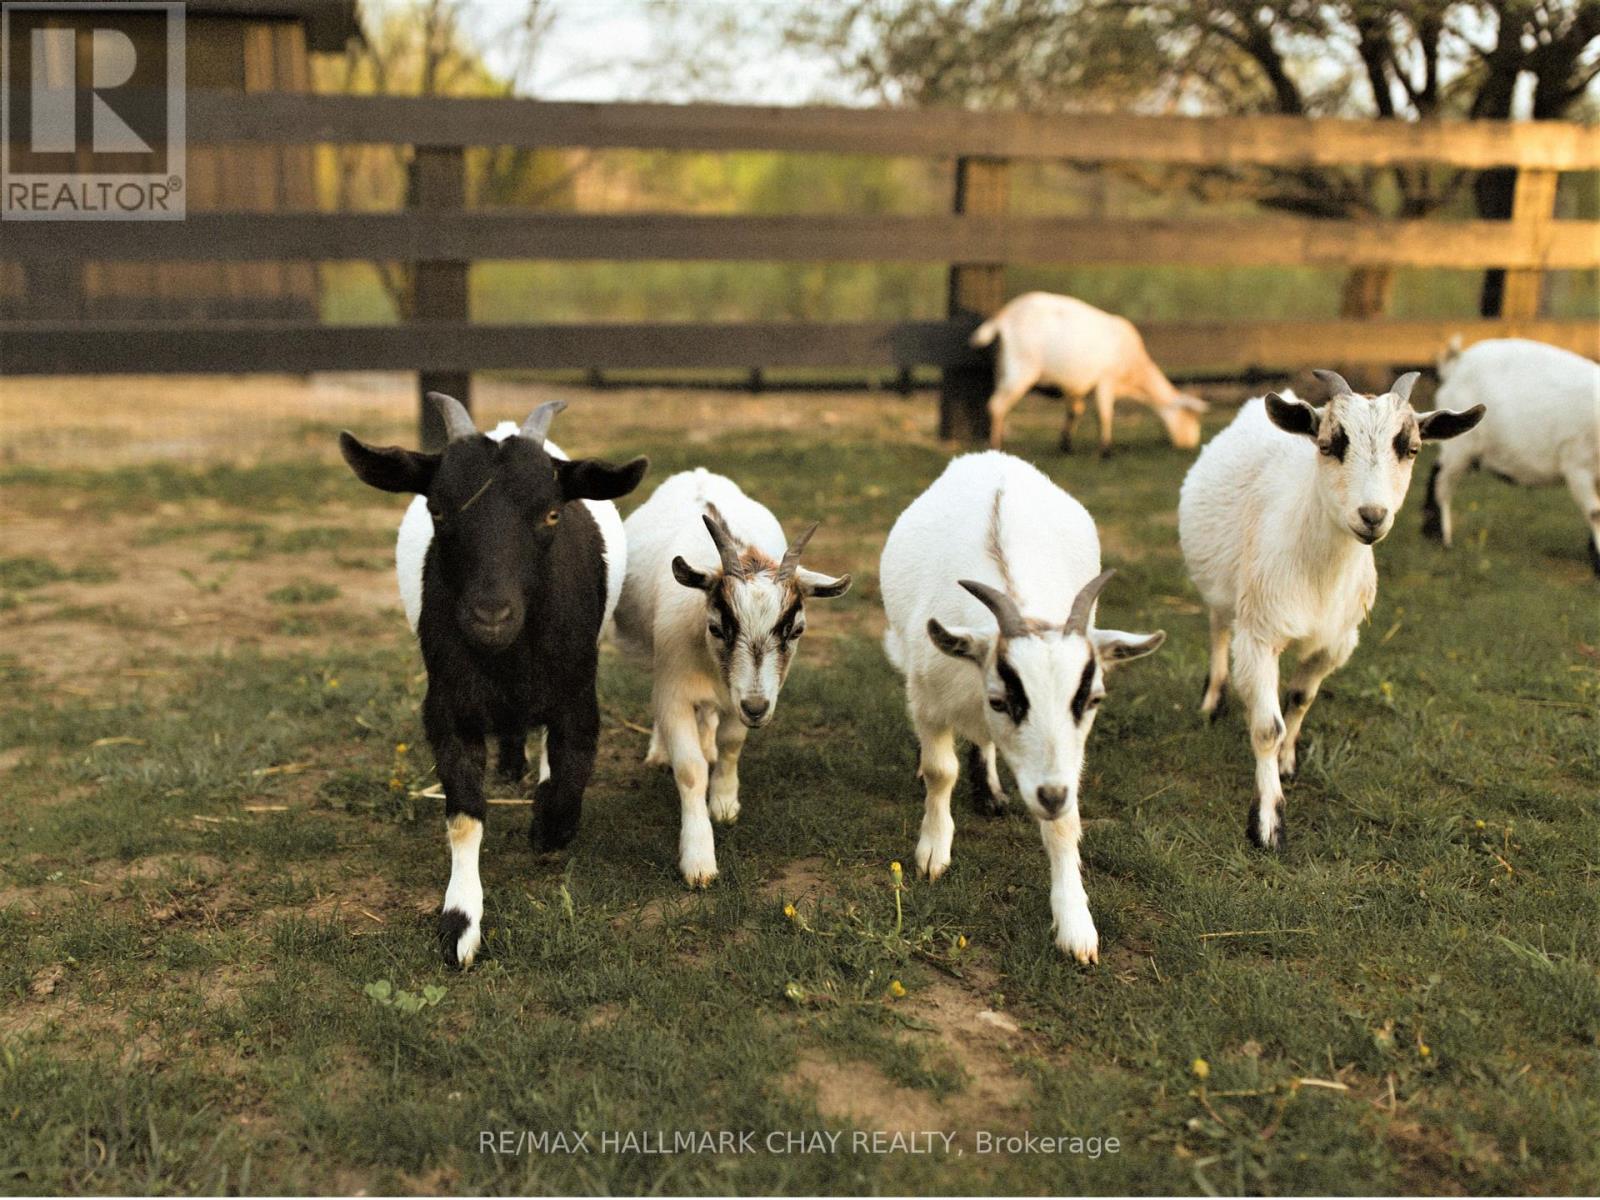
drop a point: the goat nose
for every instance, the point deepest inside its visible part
(1372, 514)
(491, 614)
(755, 708)
(1051, 799)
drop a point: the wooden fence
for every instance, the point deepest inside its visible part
(443, 237)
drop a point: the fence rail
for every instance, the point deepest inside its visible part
(480, 235)
(442, 236)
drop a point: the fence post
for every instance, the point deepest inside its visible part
(976, 291)
(1533, 206)
(439, 289)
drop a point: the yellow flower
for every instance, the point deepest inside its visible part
(1424, 1049)
(1201, 1068)
(394, 783)
(401, 747)
(894, 870)
(789, 911)
(333, 683)
(961, 941)
(896, 988)
(1479, 824)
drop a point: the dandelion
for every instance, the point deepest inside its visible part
(896, 988)
(896, 873)
(401, 747)
(1424, 1050)
(1201, 1069)
(333, 683)
(961, 941)
(790, 911)
(394, 783)
(1480, 824)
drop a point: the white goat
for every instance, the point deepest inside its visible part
(416, 535)
(1543, 426)
(1277, 519)
(716, 601)
(1080, 349)
(1012, 661)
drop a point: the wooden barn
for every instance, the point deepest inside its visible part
(232, 45)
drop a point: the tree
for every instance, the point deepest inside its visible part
(1397, 60)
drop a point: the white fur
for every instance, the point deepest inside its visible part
(697, 727)
(1542, 425)
(1051, 548)
(464, 894)
(1272, 535)
(416, 535)
(1080, 349)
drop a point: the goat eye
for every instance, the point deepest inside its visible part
(998, 703)
(1325, 451)
(714, 628)
(551, 517)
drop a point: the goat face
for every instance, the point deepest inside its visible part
(1042, 685)
(1366, 446)
(496, 507)
(1182, 419)
(754, 616)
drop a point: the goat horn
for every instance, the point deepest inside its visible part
(1402, 386)
(457, 420)
(537, 426)
(726, 550)
(791, 556)
(1335, 382)
(1083, 603)
(1001, 605)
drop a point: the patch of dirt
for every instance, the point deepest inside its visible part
(801, 879)
(856, 1093)
(982, 1040)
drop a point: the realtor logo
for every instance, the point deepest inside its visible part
(91, 111)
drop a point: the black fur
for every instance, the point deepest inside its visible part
(496, 549)
(1080, 698)
(985, 802)
(1017, 704)
(452, 924)
(1432, 518)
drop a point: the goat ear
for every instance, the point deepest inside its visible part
(388, 468)
(691, 578)
(591, 479)
(1443, 423)
(958, 643)
(1113, 646)
(1292, 416)
(814, 584)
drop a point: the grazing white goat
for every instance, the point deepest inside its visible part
(1080, 349)
(416, 535)
(1277, 519)
(716, 601)
(1009, 658)
(1542, 427)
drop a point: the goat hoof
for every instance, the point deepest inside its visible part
(1105, 453)
(1594, 558)
(553, 834)
(1218, 707)
(1252, 830)
(1065, 444)
(459, 938)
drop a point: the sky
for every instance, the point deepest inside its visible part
(618, 50)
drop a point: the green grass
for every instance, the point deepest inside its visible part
(198, 967)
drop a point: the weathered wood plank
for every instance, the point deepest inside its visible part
(961, 238)
(1223, 141)
(68, 348)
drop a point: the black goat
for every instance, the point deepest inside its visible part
(513, 598)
